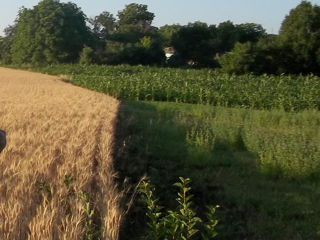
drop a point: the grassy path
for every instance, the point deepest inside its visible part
(56, 173)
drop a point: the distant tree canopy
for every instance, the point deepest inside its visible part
(240, 60)
(295, 50)
(104, 24)
(200, 44)
(192, 42)
(300, 36)
(54, 32)
(6, 43)
(166, 33)
(51, 32)
(258, 58)
(250, 32)
(135, 18)
(134, 40)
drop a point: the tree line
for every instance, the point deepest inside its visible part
(53, 32)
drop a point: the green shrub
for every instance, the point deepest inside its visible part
(88, 56)
(180, 224)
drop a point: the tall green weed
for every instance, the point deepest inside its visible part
(180, 224)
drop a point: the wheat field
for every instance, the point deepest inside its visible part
(56, 174)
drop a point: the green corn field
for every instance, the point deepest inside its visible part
(206, 86)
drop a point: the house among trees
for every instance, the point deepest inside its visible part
(169, 51)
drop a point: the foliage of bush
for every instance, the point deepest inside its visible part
(88, 56)
(181, 224)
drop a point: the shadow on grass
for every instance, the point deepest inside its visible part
(168, 140)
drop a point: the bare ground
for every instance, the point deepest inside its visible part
(56, 173)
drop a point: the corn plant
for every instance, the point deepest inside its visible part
(92, 231)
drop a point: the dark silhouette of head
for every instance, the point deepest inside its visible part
(3, 140)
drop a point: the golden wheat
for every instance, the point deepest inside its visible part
(59, 147)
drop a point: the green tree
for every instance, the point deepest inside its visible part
(147, 51)
(51, 32)
(6, 43)
(104, 24)
(103, 27)
(112, 53)
(295, 50)
(250, 32)
(240, 60)
(88, 56)
(5, 46)
(193, 43)
(227, 36)
(300, 38)
(166, 33)
(265, 56)
(268, 56)
(135, 18)
(134, 41)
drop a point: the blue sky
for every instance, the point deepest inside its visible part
(269, 13)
